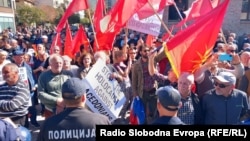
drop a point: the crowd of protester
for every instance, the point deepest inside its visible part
(217, 93)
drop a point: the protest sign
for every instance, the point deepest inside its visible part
(23, 74)
(104, 95)
(150, 25)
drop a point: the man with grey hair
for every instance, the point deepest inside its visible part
(14, 44)
(49, 86)
(68, 66)
(14, 95)
(224, 104)
(190, 112)
(56, 50)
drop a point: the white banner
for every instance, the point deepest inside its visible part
(23, 74)
(104, 95)
(150, 25)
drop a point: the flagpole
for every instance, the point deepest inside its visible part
(105, 10)
(97, 45)
(179, 13)
(223, 36)
(56, 39)
(164, 25)
(91, 48)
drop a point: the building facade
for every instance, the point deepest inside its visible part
(7, 15)
(109, 3)
(53, 3)
(7, 12)
(237, 18)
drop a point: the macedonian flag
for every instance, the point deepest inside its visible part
(189, 48)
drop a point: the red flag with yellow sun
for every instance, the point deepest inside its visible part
(188, 49)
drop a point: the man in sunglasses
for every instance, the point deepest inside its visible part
(224, 104)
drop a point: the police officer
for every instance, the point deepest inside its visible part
(76, 122)
(168, 104)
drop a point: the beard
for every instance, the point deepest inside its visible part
(218, 92)
(145, 56)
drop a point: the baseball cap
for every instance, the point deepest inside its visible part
(226, 77)
(18, 52)
(73, 88)
(169, 96)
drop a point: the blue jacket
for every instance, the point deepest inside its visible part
(218, 109)
(30, 75)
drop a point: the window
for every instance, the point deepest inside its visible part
(108, 4)
(6, 22)
(1, 2)
(5, 3)
(245, 11)
(182, 6)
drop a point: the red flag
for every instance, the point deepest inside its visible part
(74, 6)
(99, 14)
(215, 3)
(188, 49)
(105, 41)
(147, 11)
(111, 24)
(56, 42)
(119, 14)
(79, 39)
(68, 42)
(198, 8)
(149, 40)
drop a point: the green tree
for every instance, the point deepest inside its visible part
(60, 11)
(50, 13)
(85, 20)
(28, 15)
(75, 18)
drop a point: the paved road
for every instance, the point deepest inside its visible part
(35, 131)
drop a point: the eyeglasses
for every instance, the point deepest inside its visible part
(220, 85)
(146, 50)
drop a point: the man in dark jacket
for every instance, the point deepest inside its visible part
(168, 104)
(76, 118)
(224, 104)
